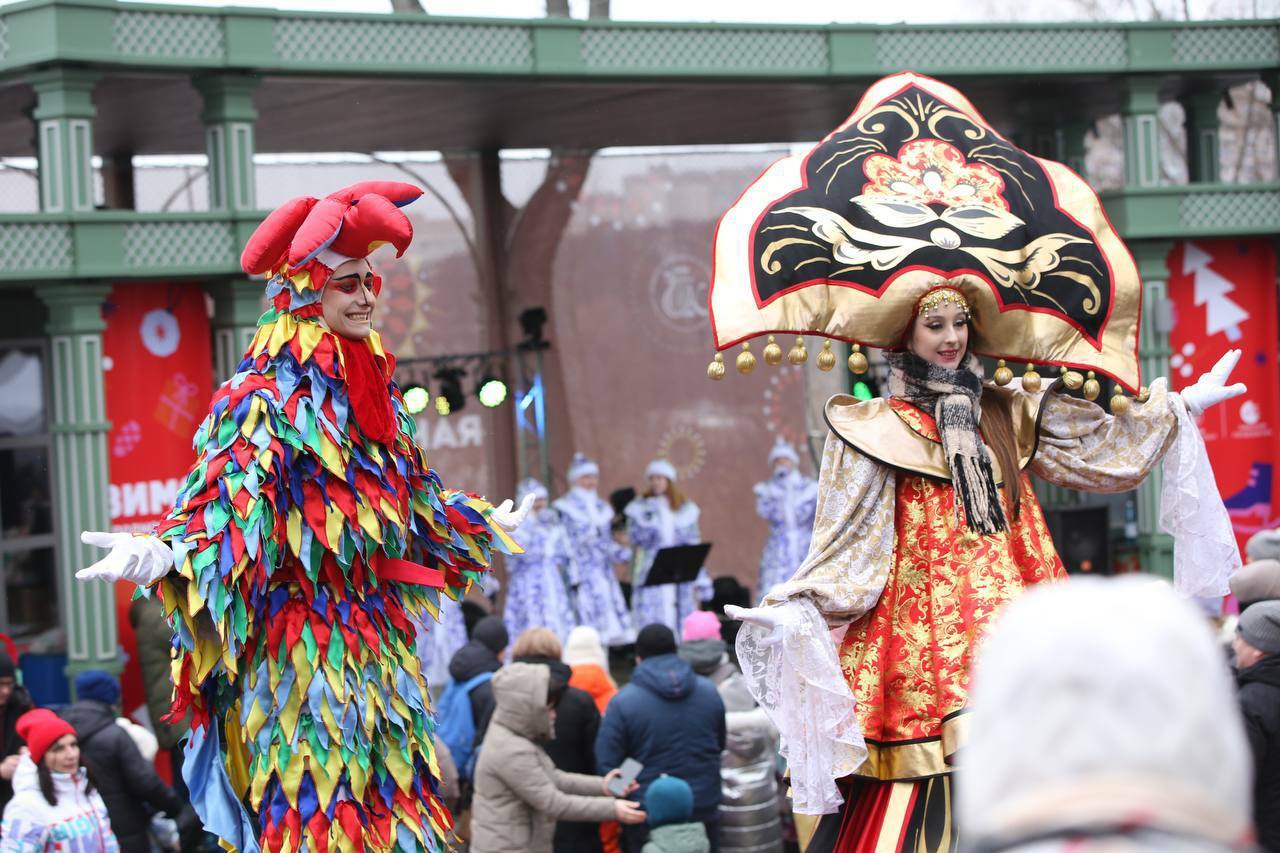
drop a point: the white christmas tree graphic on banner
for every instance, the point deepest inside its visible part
(1211, 289)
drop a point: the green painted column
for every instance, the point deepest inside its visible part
(228, 117)
(1141, 131)
(1203, 154)
(1155, 549)
(64, 138)
(79, 426)
(237, 306)
(1072, 145)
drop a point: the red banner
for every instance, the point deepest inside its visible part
(1224, 297)
(158, 370)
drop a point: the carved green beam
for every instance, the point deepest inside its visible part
(108, 33)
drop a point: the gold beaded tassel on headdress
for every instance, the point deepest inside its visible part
(797, 355)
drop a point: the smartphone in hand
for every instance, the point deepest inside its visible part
(628, 772)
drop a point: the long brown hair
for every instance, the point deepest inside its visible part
(997, 429)
(675, 497)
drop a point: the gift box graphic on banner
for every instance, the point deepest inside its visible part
(1224, 296)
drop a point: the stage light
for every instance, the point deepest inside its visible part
(450, 390)
(531, 322)
(491, 390)
(416, 398)
(862, 391)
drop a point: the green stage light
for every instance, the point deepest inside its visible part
(442, 406)
(416, 398)
(862, 390)
(492, 391)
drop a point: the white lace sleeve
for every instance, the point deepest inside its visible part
(793, 670)
(1205, 553)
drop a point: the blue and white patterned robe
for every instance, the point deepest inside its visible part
(787, 501)
(536, 593)
(652, 526)
(588, 519)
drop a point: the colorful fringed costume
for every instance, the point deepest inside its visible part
(306, 551)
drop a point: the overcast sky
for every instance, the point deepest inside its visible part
(806, 11)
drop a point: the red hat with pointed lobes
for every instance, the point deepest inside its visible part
(349, 223)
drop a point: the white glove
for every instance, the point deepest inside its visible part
(507, 518)
(140, 559)
(761, 616)
(1211, 388)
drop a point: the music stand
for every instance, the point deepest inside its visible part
(677, 564)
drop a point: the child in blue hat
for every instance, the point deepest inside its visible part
(672, 829)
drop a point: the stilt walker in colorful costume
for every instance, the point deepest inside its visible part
(588, 518)
(538, 580)
(307, 542)
(915, 227)
(787, 501)
(662, 517)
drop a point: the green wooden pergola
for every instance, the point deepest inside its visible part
(80, 78)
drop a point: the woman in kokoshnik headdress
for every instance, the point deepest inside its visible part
(926, 521)
(307, 542)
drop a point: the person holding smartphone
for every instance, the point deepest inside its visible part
(519, 794)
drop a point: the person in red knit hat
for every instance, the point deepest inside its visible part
(54, 805)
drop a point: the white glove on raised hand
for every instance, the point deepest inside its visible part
(140, 559)
(1212, 388)
(763, 617)
(507, 518)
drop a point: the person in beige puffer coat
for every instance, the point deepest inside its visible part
(519, 794)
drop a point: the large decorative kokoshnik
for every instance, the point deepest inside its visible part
(916, 187)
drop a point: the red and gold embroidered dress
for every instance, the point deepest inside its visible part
(893, 562)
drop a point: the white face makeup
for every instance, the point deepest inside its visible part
(940, 335)
(348, 300)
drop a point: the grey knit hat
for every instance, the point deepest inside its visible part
(1263, 545)
(1260, 626)
(1256, 581)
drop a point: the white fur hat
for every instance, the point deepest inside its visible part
(581, 466)
(661, 468)
(530, 486)
(782, 449)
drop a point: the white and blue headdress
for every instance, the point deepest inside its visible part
(530, 486)
(661, 468)
(782, 449)
(581, 466)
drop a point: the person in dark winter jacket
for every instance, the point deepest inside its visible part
(127, 782)
(482, 653)
(669, 804)
(155, 643)
(671, 721)
(1257, 648)
(14, 702)
(572, 747)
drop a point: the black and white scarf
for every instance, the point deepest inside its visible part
(953, 396)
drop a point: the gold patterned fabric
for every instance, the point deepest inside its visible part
(917, 592)
(916, 188)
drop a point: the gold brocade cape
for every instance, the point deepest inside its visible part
(892, 432)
